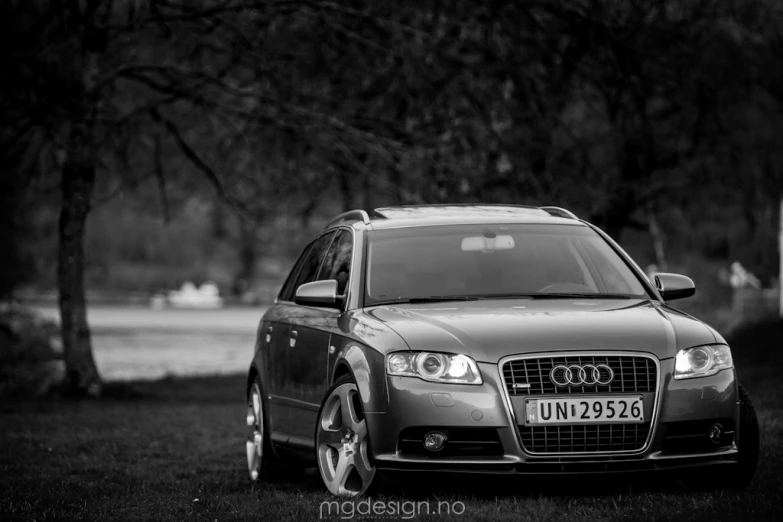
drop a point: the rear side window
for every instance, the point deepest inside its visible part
(337, 264)
(312, 262)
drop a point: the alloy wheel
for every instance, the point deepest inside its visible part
(255, 439)
(343, 443)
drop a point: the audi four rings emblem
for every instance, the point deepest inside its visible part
(586, 375)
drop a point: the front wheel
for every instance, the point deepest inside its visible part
(342, 443)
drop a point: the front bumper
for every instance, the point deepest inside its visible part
(414, 403)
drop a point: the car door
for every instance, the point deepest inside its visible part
(274, 343)
(315, 327)
(305, 337)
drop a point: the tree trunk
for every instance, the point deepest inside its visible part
(397, 182)
(780, 254)
(248, 255)
(657, 239)
(78, 178)
(368, 189)
(346, 188)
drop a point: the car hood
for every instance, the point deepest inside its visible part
(489, 330)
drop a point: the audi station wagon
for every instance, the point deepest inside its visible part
(488, 338)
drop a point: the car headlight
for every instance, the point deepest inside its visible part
(702, 361)
(434, 367)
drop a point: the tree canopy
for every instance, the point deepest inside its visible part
(638, 114)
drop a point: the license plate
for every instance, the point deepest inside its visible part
(583, 410)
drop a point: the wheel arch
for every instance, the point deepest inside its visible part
(251, 376)
(366, 366)
(341, 370)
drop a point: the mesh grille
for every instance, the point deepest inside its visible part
(631, 374)
(586, 438)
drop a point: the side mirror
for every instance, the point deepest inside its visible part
(674, 286)
(319, 293)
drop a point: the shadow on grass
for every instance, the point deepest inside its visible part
(420, 486)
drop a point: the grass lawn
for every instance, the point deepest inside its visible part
(174, 450)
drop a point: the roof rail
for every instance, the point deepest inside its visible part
(560, 212)
(351, 215)
(383, 212)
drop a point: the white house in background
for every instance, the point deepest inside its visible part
(206, 296)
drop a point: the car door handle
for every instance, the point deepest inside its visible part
(292, 340)
(268, 334)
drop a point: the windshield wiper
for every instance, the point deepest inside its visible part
(505, 296)
(443, 298)
(428, 299)
(578, 296)
(437, 298)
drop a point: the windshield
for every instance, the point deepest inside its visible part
(485, 261)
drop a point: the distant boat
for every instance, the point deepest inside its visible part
(207, 296)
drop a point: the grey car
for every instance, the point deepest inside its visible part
(487, 339)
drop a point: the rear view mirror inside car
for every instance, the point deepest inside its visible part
(487, 244)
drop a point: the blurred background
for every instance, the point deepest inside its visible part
(151, 144)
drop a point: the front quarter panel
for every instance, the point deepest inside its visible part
(359, 345)
(366, 365)
(700, 398)
(687, 330)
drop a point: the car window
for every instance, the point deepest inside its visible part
(482, 260)
(337, 264)
(613, 270)
(312, 261)
(287, 291)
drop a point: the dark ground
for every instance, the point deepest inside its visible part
(174, 450)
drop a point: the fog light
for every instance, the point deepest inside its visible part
(435, 440)
(715, 433)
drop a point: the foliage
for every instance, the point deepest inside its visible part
(614, 109)
(652, 115)
(15, 269)
(30, 352)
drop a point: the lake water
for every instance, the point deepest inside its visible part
(141, 343)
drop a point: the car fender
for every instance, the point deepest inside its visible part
(361, 362)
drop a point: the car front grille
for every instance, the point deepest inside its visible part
(584, 438)
(632, 374)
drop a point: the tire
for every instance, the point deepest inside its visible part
(747, 443)
(262, 463)
(342, 442)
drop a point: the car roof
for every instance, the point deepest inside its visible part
(453, 214)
